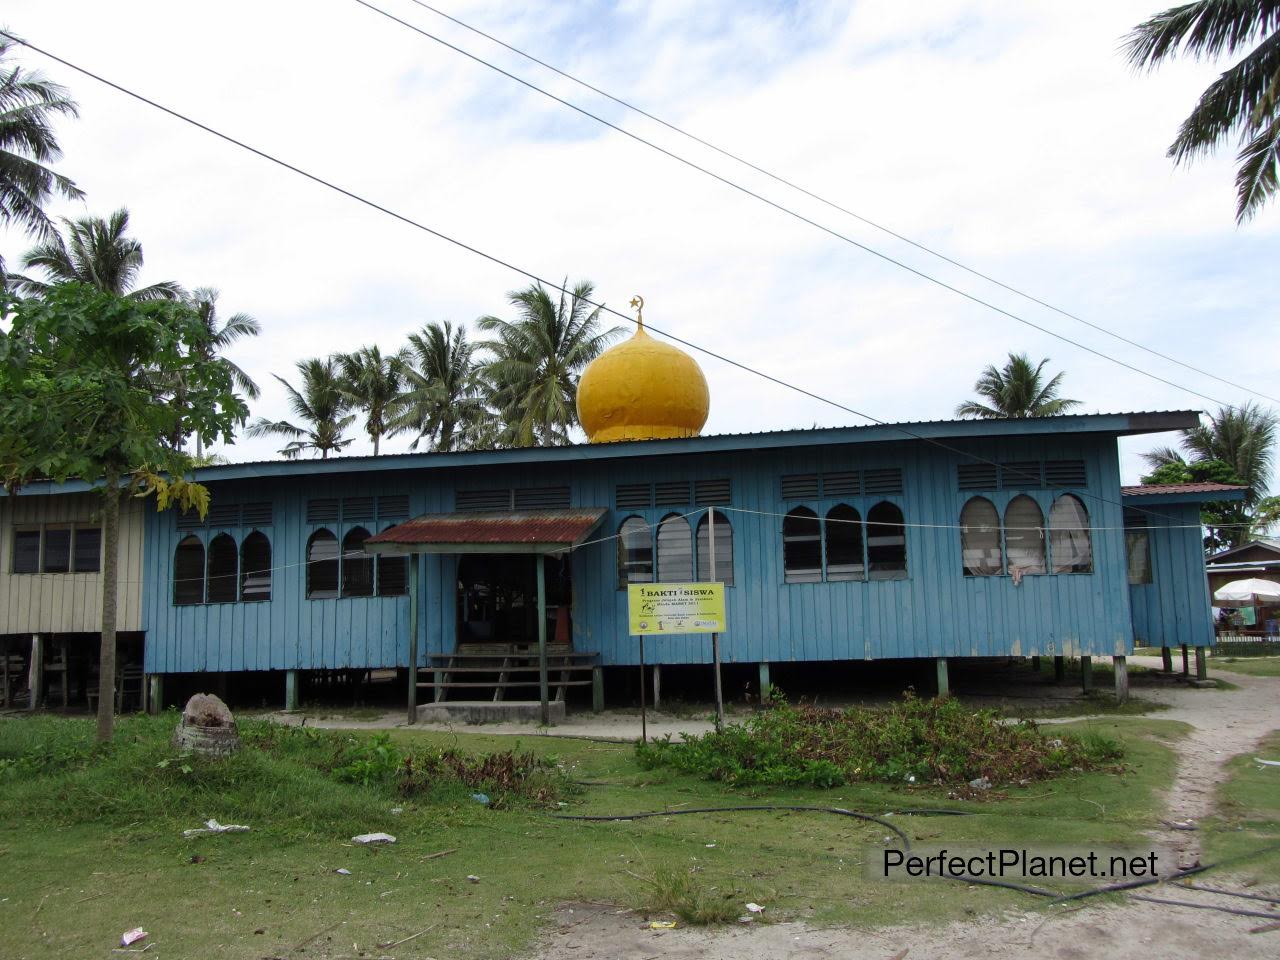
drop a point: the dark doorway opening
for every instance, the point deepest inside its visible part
(498, 598)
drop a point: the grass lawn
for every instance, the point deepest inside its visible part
(1254, 666)
(1248, 819)
(89, 851)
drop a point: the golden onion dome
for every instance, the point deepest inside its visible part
(642, 389)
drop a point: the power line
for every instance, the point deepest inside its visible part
(787, 210)
(314, 178)
(832, 204)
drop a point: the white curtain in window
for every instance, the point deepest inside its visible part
(1024, 536)
(980, 539)
(1069, 541)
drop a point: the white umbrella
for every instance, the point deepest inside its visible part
(1246, 593)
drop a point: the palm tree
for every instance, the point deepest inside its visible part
(1017, 390)
(28, 105)
(1242, 103)
(443, 402)
(320, 404)
(373, 383)
(96, 252)
(538, 358)
(221, 336)
(1243, 438)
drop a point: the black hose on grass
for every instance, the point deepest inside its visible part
(1230, 893)
(1205, 906)
(838, 811)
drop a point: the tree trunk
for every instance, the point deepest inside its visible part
(376, 438)
(110, 575)
(199, 447)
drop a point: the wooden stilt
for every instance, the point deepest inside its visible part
(1059, 668)
(291, 690)
(1166, 659)
(1202, 669)
(542, 639)
(766, 688)
(1122, 678)
(415, 588)
(36, 676)
(1186, 663)
(155, 693)
(944, 680)
(1086, 674)
(597, 689)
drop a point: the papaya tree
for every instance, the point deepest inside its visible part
(96, 387)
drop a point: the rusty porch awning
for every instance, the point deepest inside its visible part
(505, 531)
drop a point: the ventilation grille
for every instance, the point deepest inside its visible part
(394, 507)
(882, 481)
(469, 500)
(223, 515)
(629, 496)
(978, 476)
(1023, 473)
(671, 493)
(542, 498)
(357, 508)
(1134, 520)
(800, 486)
(256, 514)
(712, 493)
(841, 484)
(189, 520)
(323, 511)
(1065, 473)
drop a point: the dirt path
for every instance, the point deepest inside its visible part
(1224, 723)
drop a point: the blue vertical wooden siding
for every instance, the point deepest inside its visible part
(1175, 608)
(935, 611)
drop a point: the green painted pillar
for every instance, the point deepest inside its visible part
(597, 689)
(765, 686)
(1086, 674)
(1122, 678)
(291, 690)
(543, 692)
(944, 680)
(415, 588)
(1202, 669)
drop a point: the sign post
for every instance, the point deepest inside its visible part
(676, 608)
(715, 637)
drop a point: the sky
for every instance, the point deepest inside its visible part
(1011, 137)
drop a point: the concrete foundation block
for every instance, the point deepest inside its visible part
(489, 711)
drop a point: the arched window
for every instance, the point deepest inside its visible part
(980, 539)
(322, 565)
(255, 567)
(675, 550)
(635, 552)
(1070, 543)
(844, 544)
(724, 549)
(1024, 536)
(801, 546)
(222, 570)
(886, 542)
(357, 566)
(188, 572)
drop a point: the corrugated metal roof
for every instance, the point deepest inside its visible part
(1150, 489)
(546, 527)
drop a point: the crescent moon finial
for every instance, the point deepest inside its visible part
(638, 302)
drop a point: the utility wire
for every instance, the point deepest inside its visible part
(787, 210)
(832, 204)
(374, 205)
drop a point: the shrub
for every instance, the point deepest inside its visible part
(912, 741)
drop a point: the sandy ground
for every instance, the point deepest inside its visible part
(1222, 721)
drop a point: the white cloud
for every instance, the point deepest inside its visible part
(1011, 136)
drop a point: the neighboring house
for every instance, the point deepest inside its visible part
(51, 587)
(1169, 595)
(1258, 559)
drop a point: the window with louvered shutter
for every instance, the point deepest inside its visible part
(223, 515)
(469, 500)
(323, 511)
(1020, 474)
(357, 508)
(712, 493)
(393, 507)
(888, 480)
(255, 514)
(1065, 473)
(978, 476)
(800, 486)
(542, 498)
(836, 485)
(671, 493)
(629, 496)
